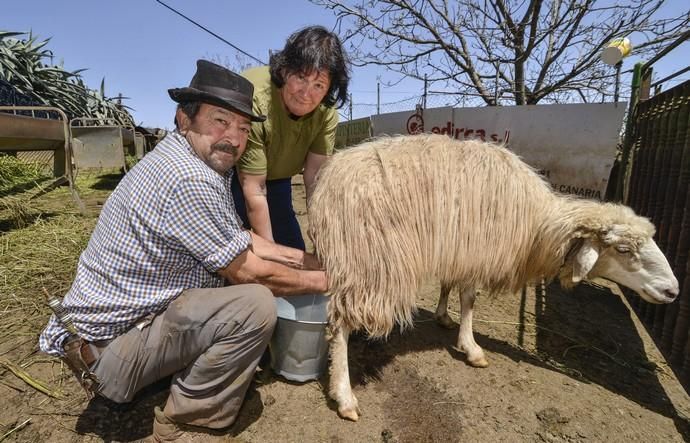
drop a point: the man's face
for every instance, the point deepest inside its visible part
(302, 93)
(217, 135)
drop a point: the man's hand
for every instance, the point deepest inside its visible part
(294, 258)
(311, 262)
(280, 279)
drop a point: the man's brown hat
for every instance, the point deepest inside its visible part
(218, 86)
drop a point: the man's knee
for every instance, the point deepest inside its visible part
(252, 307)
(263, 307)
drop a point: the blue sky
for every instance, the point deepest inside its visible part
(143, 49)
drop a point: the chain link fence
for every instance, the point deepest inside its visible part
(354, 109)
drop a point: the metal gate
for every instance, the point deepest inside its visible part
(657, 154)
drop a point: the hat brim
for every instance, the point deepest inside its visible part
(188, 94)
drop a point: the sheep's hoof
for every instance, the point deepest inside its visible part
(348, 413)
(446, 322)
(480, 362)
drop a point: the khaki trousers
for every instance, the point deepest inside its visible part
(210, 339)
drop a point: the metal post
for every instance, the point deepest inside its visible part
(496, 87)
(350, 106)
(378, 98)
(616, 91)
(425, 92)
(645, 83)
(627, 142)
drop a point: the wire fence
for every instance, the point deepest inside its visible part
(353, 110)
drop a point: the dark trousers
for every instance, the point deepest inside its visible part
(284, 223)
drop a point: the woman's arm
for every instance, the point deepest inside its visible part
(254, 190)
(312, 164)
(294, 258)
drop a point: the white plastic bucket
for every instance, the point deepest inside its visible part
(299, 349)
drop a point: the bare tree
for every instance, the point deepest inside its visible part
(239, 64)
(503, 51)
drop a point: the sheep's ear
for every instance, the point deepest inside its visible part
(584, 260)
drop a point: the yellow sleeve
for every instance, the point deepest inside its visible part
(253, 161)
(324, 141)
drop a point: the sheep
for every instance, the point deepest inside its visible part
(392, 211)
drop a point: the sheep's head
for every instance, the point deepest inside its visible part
(625, 254)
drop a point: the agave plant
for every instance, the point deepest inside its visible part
(22, 65)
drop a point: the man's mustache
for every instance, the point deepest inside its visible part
(226, 147)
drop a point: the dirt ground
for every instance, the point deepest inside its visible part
(564, 367)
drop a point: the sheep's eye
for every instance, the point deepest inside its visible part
(622, 249)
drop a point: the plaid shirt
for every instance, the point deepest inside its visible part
(170, 225)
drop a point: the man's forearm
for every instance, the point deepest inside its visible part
(248, 267)
(292, 282)
(294, 258)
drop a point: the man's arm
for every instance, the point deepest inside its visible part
(254, 190)
(312, 164)
(294, 258)
(280, 279)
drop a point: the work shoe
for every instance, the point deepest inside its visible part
(165, 430)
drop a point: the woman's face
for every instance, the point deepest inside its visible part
(302, 93)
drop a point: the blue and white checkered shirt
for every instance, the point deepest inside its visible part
(168, 226)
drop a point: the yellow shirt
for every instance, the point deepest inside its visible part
(278, 146)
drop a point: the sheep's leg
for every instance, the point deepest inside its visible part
(340, 389)
(466, 343)
(441, 316)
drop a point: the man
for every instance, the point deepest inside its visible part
(149, 298)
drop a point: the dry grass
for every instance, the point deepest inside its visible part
(40, 244)
(15, 172)
(43, 254)
(17, 212)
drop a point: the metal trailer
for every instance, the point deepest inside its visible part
(30, 133)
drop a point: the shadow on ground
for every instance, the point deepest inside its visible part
(107, 182)
(113, 422)
(586, 334)
(12, 219)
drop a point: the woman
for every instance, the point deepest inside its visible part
(299, 92)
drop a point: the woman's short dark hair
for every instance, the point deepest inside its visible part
(190, 109)
(314, 49)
